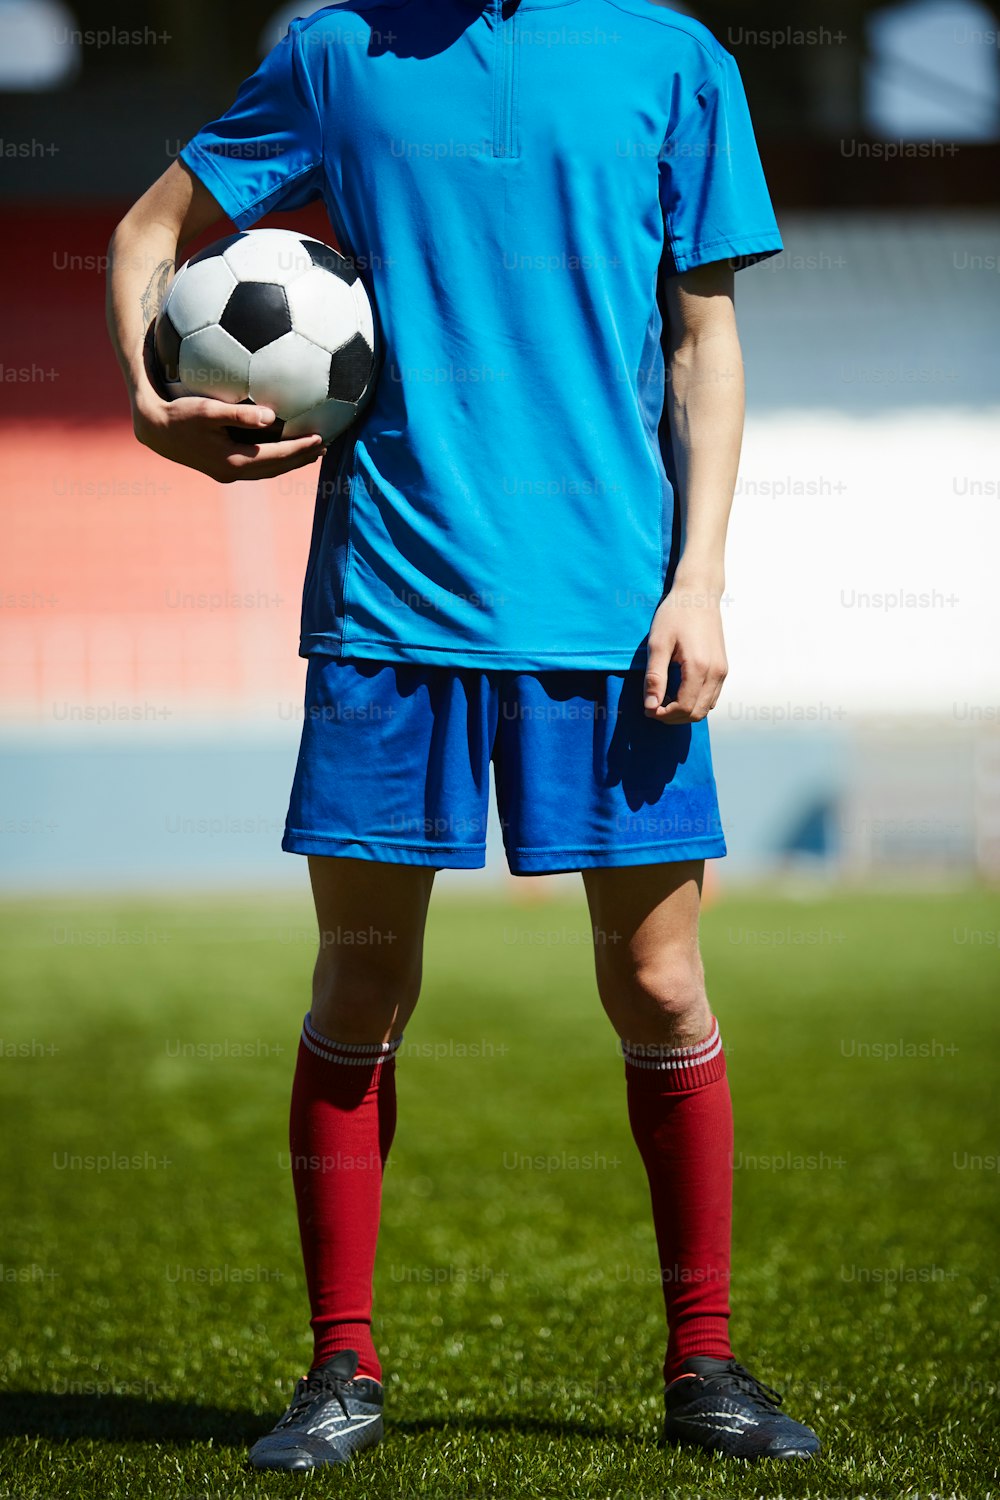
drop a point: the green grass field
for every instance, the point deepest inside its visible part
(154, 1307)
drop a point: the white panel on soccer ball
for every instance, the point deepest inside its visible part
(268, 255)
(291, 375)
(199, 294)
(322, 308)
(330, 418)
(366, 323)
(213, 364)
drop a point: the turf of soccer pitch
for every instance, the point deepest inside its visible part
(154, 1310)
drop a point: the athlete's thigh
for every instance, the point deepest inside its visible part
(364, 904)
(649, 971)
(645, 917)
(371, 918)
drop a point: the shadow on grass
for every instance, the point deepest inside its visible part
(546, 1426)
(118, 1417)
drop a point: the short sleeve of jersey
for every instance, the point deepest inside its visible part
(712, 190)
(266, 151)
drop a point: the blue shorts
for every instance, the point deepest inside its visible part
(395, 757)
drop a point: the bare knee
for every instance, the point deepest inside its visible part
(658, 997)
(364, 994)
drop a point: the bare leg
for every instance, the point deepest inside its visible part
(649, 971)
(343, 1115)
(653, 988)
(371, 940)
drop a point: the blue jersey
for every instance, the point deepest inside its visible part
(510, 179)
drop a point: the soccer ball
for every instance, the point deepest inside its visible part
(272, 318)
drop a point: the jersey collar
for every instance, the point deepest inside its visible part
(507, 7)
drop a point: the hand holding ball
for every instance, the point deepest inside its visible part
(274, 318)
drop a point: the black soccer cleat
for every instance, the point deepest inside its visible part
(332, 1416)
(720, 1407)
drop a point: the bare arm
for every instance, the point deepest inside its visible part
(704, 404)
(142, 255)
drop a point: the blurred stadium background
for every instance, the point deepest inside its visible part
(148, 666)
(156, 967)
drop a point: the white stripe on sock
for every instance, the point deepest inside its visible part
(638, 1055)
(352, 1053)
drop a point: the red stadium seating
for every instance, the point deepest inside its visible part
(126, 579)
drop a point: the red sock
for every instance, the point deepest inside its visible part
(682, 1120)
(342, 1122)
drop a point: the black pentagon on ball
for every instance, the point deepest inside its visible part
(219, 248)
(167, 343)
(350, 369)
(331, 260)
(256, 314)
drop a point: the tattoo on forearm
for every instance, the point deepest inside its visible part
(152, 298)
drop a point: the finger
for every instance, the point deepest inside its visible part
(227, 414)
(654, 683)
(708, 691)
(268, 463)
(254, 455)
(695, 698)
(686, 699)
(659, 654)
(672, 713)
(718, 691)
(703, 702)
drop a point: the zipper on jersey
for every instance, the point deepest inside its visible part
(504, 81)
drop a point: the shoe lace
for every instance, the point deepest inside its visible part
(760, 1394)
(318, 1385)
